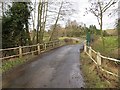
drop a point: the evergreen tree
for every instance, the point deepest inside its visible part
(15, 30)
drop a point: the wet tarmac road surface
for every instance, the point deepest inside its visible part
(59, 68)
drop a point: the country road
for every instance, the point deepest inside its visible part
(58, 68)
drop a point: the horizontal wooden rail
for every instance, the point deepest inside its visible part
(9, 49)
(31, 49)
(29, 46)
(91, 49)
(99, 58)
(112, 59)
(9, 57)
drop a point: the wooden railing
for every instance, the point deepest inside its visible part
(6, 54)
(106, 64)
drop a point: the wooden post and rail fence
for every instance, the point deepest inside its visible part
(107, 65)
(6, 54)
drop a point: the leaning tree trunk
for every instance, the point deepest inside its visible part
(52, 35)
(101, 29)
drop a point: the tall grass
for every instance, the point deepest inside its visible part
(91, 77)
(111, 46)
(10, 64)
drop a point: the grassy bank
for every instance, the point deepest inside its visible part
(10, 64)
(111, 46)
(91, 76)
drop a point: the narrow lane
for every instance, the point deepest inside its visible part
(59, 68)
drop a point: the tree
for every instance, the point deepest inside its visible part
(33, 36)
(118, 29)
(98, 8)
(93, 29)
(7, 33)
(59, 30)
(15, 30)
(42, 15)
(38, 22)
(73, 28)
(51, 37)
(64, 10)
(4, 6)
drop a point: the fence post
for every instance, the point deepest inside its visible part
(98, 58)
(85, 47)
(38, 47)
(90, 51)
(20, 51)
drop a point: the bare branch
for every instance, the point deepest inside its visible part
(108, 5)
(56, 21)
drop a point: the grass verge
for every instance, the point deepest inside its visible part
(90, 73)
(10, 64)
(111, 46)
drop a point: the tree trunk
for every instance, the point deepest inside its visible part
(101, 25)
(38, 25)
(28, 34)
(40, 33)
(51, 37)
(45, 10)
(2, 9)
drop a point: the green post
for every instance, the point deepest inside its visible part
(88, 38)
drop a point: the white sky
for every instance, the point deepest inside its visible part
(88, 19)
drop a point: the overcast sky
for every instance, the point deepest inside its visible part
(88, 19)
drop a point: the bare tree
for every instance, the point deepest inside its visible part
(39, 25)
(38, 21)
(44, 18)
(42, 15)
(98, 8)
(44, 9)
(63, 12)
(34, 14)
(51, 37)
(3, 5)
(33, 22)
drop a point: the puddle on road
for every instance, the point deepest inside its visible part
(76, 79)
